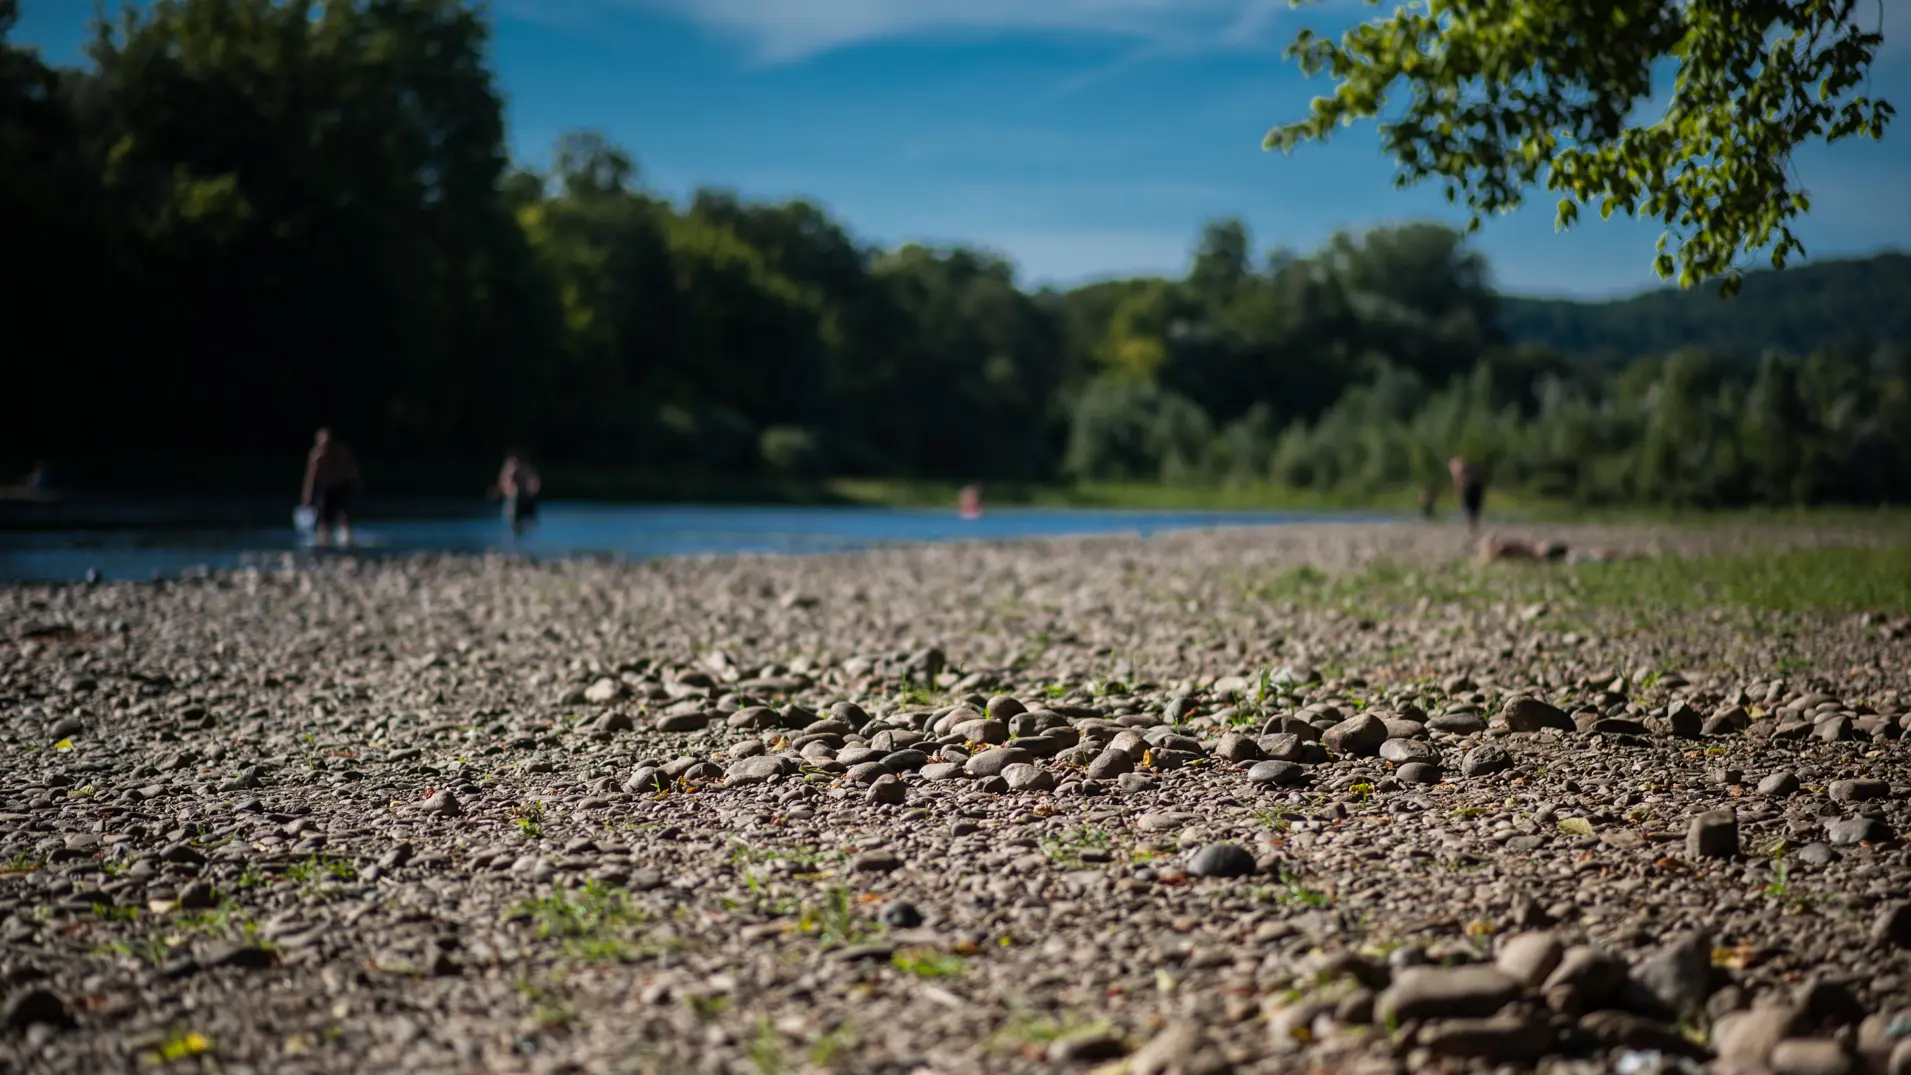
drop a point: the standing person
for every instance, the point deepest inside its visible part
(519, 485)
(1470, 483)
(1429, 497)
(331, 484)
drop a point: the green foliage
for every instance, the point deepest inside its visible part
(287, 214)
(792, 451)
(1127, 430)
(1863, 304)
(1507, 94)
(1683, 430)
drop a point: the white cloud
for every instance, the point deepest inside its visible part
(784, 31)
(1066, 258)
(781, 31)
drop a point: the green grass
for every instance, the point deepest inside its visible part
(151, 949)
(923, 963)
(1844, 579)
(1025, 1028)
(835, 920)
(529, 818)
(317, 868)
(1836, 579)
(165, 933)
(1066, 849)
(1291, 891)
(832, 1047)
(549, 1008)
(766, 1050)
(592, 923)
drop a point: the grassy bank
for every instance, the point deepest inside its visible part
(1839, 578)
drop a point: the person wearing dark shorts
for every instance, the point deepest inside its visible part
(1471, 485)
(519, 485)
(523, 508)
(332, 505)
(331, 484)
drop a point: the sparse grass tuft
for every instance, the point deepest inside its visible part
(529, 818)
(1024, 1030)
(590, 923)
(1066, 849)
(924, 963)
(21, 863)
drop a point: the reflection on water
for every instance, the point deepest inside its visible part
(627, 531)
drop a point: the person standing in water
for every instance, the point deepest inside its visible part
(519, 485)
(1470, 483)
(969, 502)
(331, 484)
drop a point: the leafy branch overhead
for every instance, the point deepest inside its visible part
(1506, 94)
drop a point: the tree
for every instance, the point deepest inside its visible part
(1221, 259)
(1507, 92)
(307, 197)
(588, 165)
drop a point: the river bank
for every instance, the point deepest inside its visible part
(1263, 799)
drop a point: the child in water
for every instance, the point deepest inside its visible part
(519, 485)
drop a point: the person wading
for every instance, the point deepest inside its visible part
(519, 485)
(331, 484)
(1470, 483)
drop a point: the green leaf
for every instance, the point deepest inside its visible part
(1502, 94)
(1578, 826)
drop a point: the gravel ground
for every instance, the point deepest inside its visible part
(1020, 807)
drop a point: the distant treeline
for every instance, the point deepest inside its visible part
(1855, 304)
(242, 219)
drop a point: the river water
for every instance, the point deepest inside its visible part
(571, 529)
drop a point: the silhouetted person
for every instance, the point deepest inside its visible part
(1429, 498)
(519, 485)
(1471, 485)
(331, 483)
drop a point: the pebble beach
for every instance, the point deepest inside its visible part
(1110, 805)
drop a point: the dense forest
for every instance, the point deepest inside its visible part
(247, 218)
(1854, 303)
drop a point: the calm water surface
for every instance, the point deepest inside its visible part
(574, 529)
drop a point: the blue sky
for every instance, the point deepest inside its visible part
(1081, 138)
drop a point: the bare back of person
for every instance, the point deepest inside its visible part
(1470, 483)
(519, 485)
(331, 481)
(333, 465)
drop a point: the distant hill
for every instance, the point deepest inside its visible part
(1867, 302)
